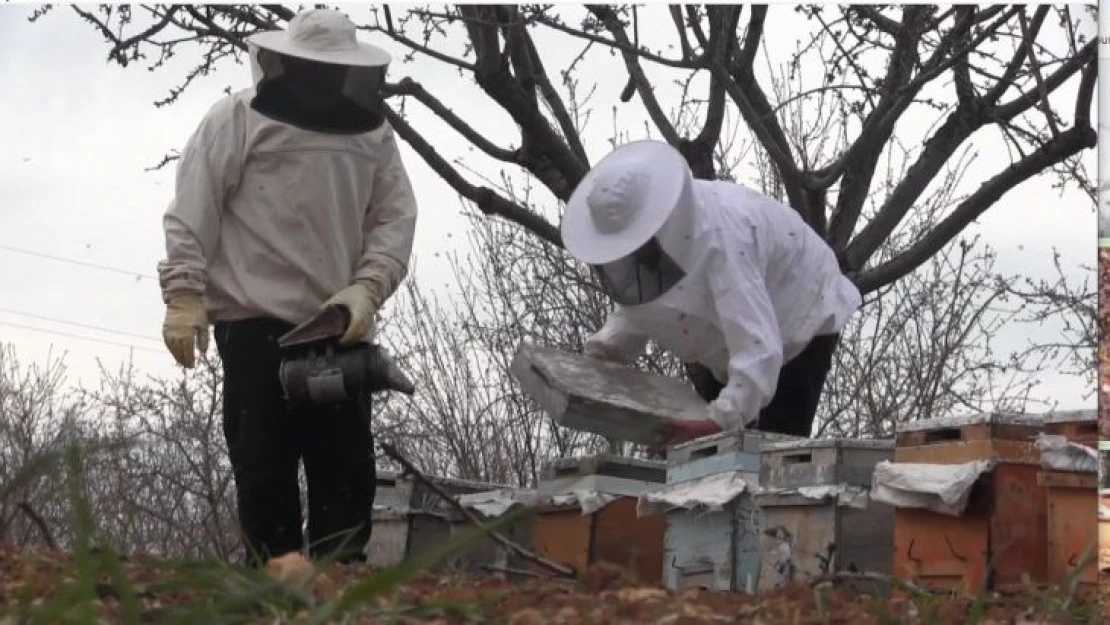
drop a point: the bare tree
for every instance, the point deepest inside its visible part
(962, 72)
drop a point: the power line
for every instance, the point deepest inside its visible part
(72, 261)
(78, 336)
(80, 325)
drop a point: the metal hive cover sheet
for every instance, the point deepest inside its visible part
(610, 383)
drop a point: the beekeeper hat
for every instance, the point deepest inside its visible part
(623, 201)
(324, 36)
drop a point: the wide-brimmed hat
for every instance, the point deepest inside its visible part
(325, 36)
(623, 201)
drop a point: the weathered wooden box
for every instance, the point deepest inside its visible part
(1070, 479)
(1078, 426)
(817, 517)
(1000, 538)
(491, 507)
(410, 519)
(1104, 506)
(434, 522)
(1072, 500)
(390, 517)
(712, 525)
(585, 513)
(602, 398)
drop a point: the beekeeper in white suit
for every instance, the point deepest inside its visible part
(731, 281)
(290, 195)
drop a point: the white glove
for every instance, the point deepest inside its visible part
(185, 329)
(361, 300)
(720, 415)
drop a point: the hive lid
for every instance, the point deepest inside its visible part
(609, 465)
(1072, 416)
(825, 443)
(985, 418)
(763, 438)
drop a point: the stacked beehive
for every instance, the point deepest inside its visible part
(410, 519)
(585, 513)
(1069, 476)
(390, 516)
(712, 528)
(970, 515)
(817, 517)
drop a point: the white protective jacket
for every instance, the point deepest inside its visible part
(761, 286)
(271, 220)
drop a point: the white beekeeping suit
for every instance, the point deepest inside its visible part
(715, 272)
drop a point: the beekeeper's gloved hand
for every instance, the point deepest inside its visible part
(185, 329)
(361, 300)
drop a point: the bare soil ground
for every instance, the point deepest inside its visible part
(45, 587)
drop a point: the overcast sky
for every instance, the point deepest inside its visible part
(77, 134)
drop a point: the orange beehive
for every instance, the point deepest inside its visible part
(1078, 426)
(567, 531)
(1072, 499)
(1001, 538)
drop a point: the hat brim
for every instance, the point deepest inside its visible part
(366, 55)
(668, 177)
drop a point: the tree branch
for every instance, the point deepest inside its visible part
(555, 101)
(878, 126)
(624, 47)
(543, 151)
(1066, 70)
(410, 87)
(1055, 151)
(1006, 81)
(487, 200)
(631, 56)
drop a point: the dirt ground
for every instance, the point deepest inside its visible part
(604, 596)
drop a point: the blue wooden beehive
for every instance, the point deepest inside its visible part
(816, 512)
(712, 533)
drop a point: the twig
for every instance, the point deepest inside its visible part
(39, 523)
(559, 569)
(871, 577)
(511, 571)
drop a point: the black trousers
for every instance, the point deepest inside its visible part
(794, 406)
(267, 438)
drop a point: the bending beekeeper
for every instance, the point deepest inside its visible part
(733, 282)
(291, 195)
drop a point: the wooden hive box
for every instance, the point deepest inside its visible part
(487, 554)
(817, 518)
(1001, 537)
(1071, 492)
(564, 532)
(714, 549)
(1072, 500)
(602, 398)
(434, 522)
(389, 534)
(1079, 426)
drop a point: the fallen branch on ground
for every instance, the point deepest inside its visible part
(523, 573)
(847, 576)
(559, 569)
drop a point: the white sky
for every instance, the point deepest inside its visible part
(77, 134)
